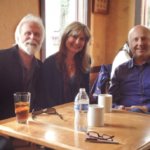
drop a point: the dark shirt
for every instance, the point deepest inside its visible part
(53, 85)
(69, 88)
(12, 80)
(28, 75)
(131, 84)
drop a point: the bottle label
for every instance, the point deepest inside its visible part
(81, 107)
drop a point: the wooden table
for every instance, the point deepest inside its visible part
(131, 130)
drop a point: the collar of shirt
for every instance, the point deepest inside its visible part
(132, 64)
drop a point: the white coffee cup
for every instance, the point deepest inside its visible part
(105, 100)
(95, 116)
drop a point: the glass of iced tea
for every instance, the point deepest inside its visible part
(22, 106)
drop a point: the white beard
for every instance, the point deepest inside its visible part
(30, 48)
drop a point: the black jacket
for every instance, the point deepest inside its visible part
(11, 80)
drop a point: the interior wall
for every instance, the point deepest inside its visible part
(12, 12)
(119, 22)
(110, 31)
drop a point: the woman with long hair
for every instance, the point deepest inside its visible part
(66, 71)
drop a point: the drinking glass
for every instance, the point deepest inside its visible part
(22, 106)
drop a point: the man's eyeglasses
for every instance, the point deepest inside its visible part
(93, 136)
(50, 111)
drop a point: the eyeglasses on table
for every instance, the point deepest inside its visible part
(93, 136)
(50, 111)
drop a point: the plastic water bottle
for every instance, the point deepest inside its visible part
(81, 107)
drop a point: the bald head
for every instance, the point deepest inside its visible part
(136, 29)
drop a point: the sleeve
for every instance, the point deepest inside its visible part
(43, 100)
(114, 89)
(148, 106)
(87, 84)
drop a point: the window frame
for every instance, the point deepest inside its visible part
(42, 13)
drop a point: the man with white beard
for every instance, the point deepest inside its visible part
(19, 69)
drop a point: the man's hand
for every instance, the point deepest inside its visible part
(121, 107)
(143, 108)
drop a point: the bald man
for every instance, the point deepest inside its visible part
(130, 85)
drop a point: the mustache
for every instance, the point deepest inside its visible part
(32, 43)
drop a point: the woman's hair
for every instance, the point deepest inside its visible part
(82, 59)
(26, 19)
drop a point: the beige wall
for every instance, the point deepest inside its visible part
(11, 12)
(110, 31)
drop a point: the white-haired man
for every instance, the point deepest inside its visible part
(19, 69)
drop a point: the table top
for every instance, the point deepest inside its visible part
(131, 130)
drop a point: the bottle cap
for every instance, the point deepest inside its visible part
(82, 89)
